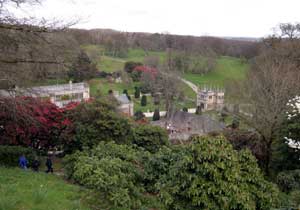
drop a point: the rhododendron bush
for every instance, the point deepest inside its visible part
(31, 122)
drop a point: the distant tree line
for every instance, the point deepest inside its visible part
(119, 42)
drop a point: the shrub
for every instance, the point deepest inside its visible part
(130, 65)
(137, 92)
(156, 99)
(156, 115)
(151, 138)
(139, 115)
(289, 180)
(198, 110)
(144, 100)
(184, 109)
(209, 174)
(9, 155)
(235, 123)
(112, 170)
(95, 122)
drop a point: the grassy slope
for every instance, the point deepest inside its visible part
(111, 64)
(227, 68)
(23, 190)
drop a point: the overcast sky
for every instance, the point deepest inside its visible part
(238, 18)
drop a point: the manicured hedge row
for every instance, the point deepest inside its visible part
(9, 155)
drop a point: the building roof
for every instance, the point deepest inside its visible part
(51, 89)
(60, 88)
(196, 124)
(123, 99)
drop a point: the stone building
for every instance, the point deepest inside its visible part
(125, 105)
(210, 99)
(60, 95)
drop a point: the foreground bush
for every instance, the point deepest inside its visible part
(114, 170)
(95, 122)
(9, 155)
(209, 174)
(151, 138)
(206, 174)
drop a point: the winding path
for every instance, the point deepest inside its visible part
(190, 84)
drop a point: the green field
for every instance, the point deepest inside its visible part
(227, 68)
(111, 64)
(101, 86)
(24, 190)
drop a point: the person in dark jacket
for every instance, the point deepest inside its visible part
(49, 165)
(23, 162)
(36, 165)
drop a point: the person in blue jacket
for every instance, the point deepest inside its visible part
(23, 162)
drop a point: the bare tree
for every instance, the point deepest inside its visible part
(166, 83)
(31, 50)
(152, 61)
(271, 82)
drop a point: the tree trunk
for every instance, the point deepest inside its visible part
(268, 156)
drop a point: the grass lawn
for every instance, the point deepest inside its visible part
(111, 64)
(227, 68)
(26, 190)
(102, 86)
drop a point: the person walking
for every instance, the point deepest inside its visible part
(49, 165)
(23, 162)
(36, 164)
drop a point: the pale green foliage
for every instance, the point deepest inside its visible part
(111, 169)
(209, 174)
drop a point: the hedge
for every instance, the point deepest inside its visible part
(9, 155)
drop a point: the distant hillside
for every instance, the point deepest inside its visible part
(246, 39)
(224, 46)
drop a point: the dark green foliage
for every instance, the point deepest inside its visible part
(156, 99)
(136, 76)
(112, 170)
(110, 92)
(289, 183)
(156, 115)
(130, 65)
(9, 155)
(82, 68)
(284, 156)
(95, 122)
(198, 110)
(151, 138)
(245, 139)
(139, 115)
(144, 100)
(137, 92)
(289, 180)
(235, 123)
(224, 114)
(184, 109)
(209, 174)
